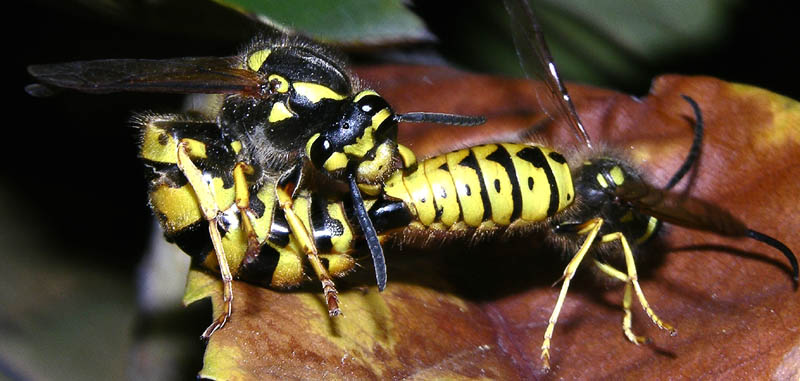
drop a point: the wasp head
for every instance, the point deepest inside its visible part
(363, 139)
(609, 188)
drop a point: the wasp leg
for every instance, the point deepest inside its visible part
(633, 279)
(242, 191)
(626, 301)
(284, 192)
(590, 228)
(208, 205)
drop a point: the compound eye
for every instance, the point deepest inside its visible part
(318, 149)
(322, 154)
(369, 102)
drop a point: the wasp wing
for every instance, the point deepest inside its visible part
(695, 214)
(683, 211)
(190, 75)
(538, 63)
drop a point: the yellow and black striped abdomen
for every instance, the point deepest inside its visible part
(485, 186)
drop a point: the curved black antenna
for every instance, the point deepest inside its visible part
(370, 234)
(778, 245)
(439, 118)
(537, 62)
(694, 151)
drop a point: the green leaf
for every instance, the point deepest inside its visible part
(343, 22)
(595, 40)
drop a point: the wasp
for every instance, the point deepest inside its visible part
(291, 117)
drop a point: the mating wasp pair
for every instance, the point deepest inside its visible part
(301, 166)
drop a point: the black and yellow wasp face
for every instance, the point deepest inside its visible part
(300, 92)
(303, 90)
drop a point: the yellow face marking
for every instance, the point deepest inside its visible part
(379, 117)
(407, 155)
(370, 189)
(279, 112)
(617, 175)
(467, 186)
(314, 92)
(256, 59)
(363, 144)
(444, 192)
(363, 94)
(335, 162)
(282, 85)
(373, 170)
(366, 141)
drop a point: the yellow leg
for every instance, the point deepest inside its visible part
(593, 227)
(627, 301)
(633, 279)
(205, 197)
(242, 191)
(227, 282)
(303, 237)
